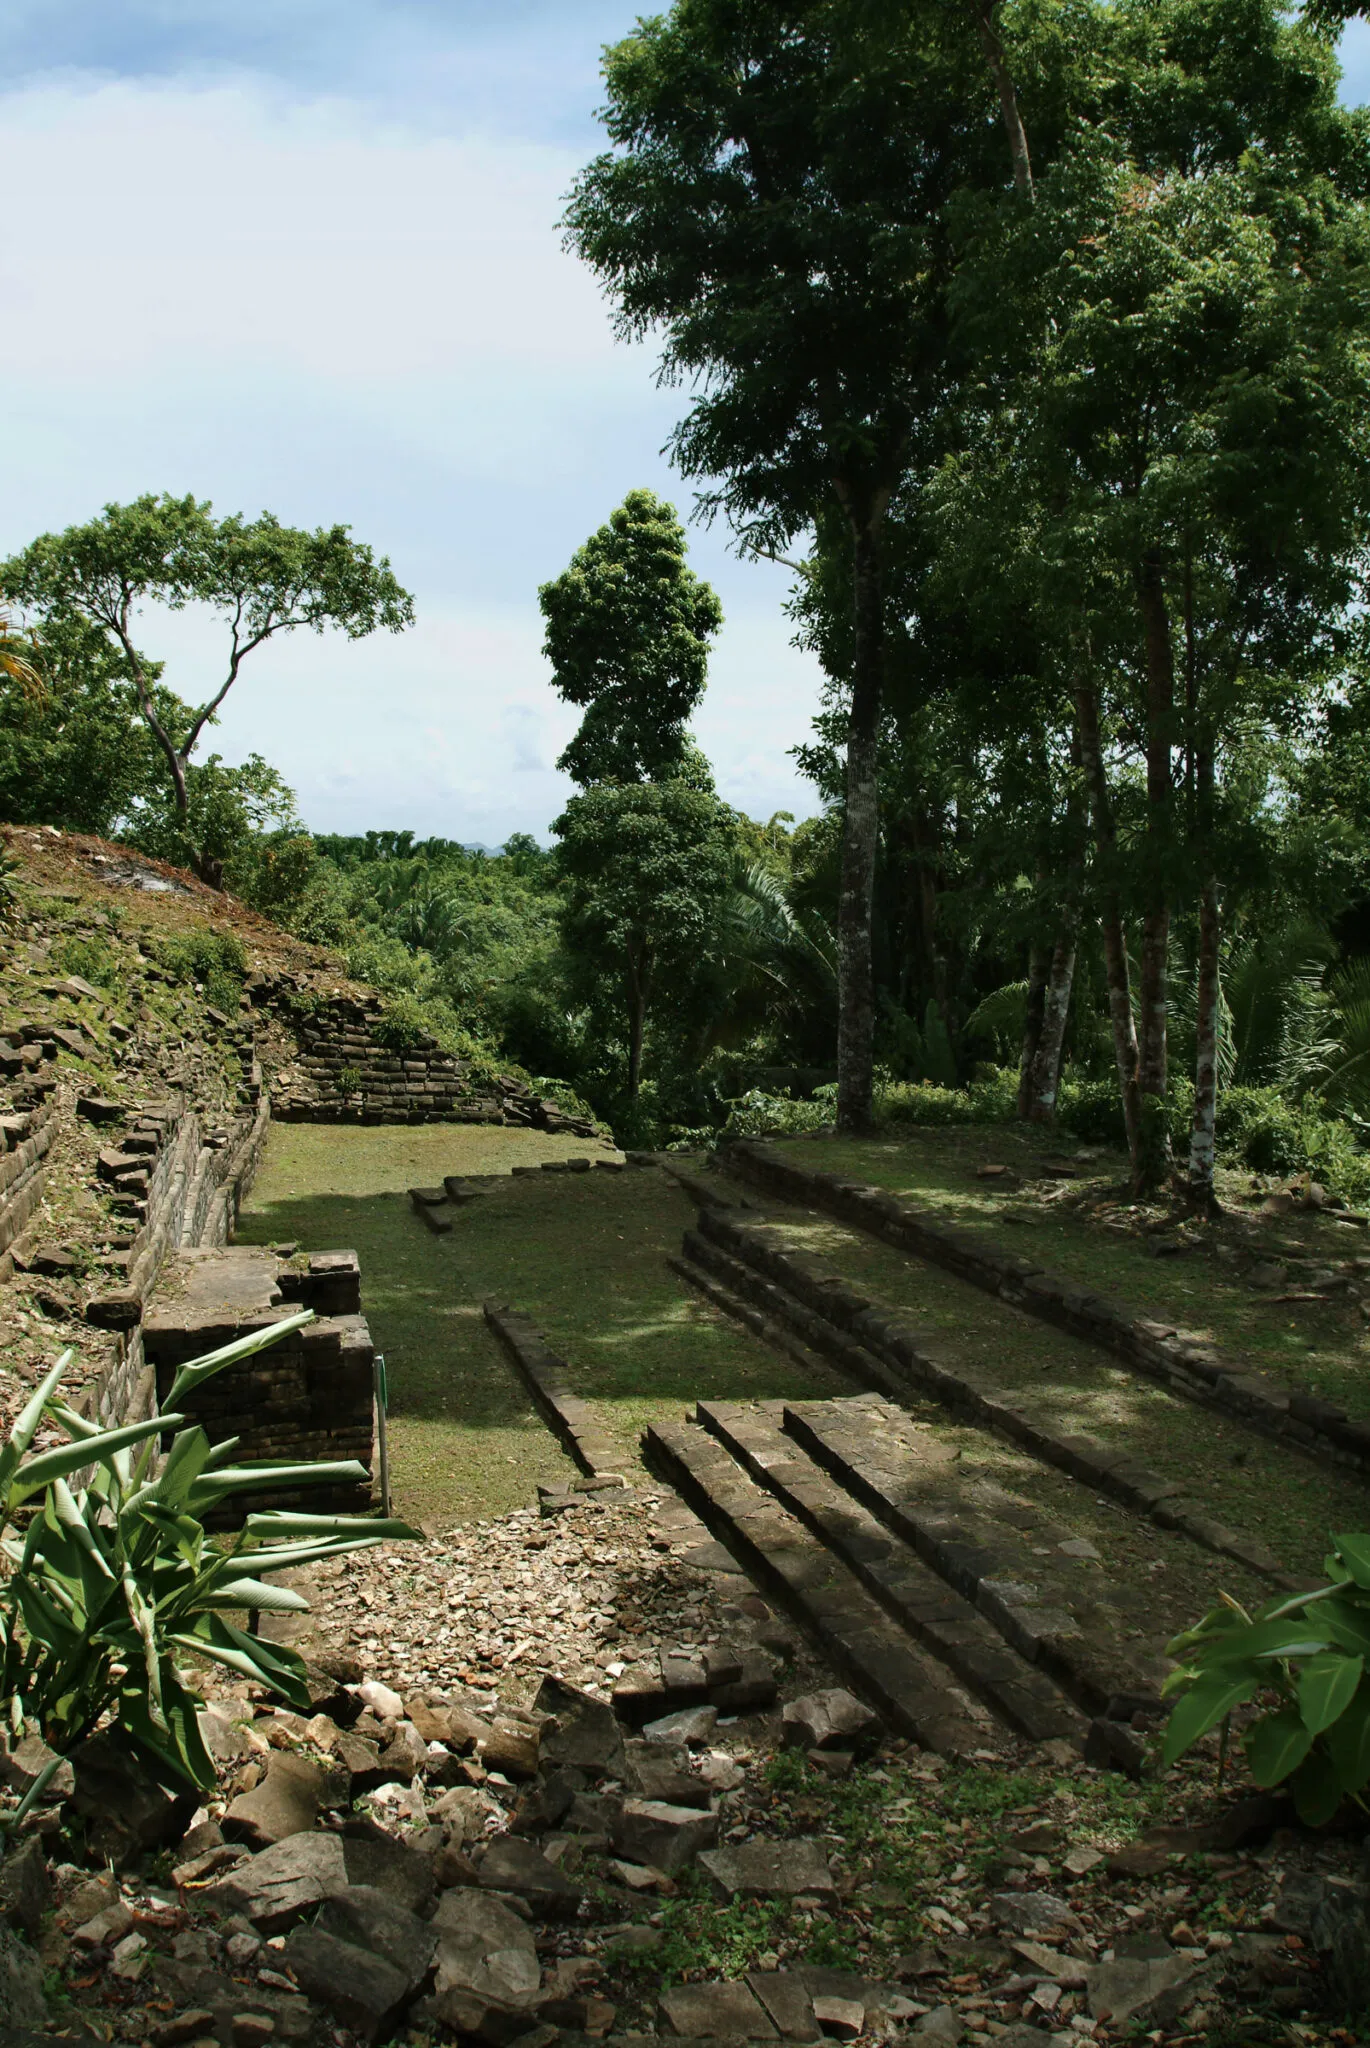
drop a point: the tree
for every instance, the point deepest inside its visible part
(1181, 453)
(647, 865)
(628, 631)
(259, 577)
(74, 750)
(776, 205)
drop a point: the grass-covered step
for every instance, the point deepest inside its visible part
(916, 1693)
(1184, 1360)
(1040, 1390)
(1048, 1588)
(919, 1599)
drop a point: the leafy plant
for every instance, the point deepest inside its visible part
(110, 1583)
(1308, 1654)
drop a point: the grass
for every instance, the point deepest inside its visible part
(1319, 1346)
(585, 1257)
(1254, 1484)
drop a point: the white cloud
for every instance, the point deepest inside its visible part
(269, 304)
(230, 228)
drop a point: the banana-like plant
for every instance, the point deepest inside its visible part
(113, 1583)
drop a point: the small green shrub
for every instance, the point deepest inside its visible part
(1306, 1656)
(215, 960)
(349, 1081)
(113, 1587)
(403, 1021)
(758, 1115)
(1091, 1111)
(93, 959)
(990, 1099)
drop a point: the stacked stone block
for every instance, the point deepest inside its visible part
(308, 1398)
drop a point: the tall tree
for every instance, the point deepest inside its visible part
(1186, 423)
(647, 866)
(260, 578)
(776, 206)
(628, 631)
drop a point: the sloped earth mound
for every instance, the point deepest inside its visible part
(491, 1852)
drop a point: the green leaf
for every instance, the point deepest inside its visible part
(1317, 1790)
(1276, 1746)
(1209, 1701)
(29, 1417)
(216, 1486)
(1327, 1686)
(201, 1369)
(1348, 1742)
(1347, 1621)
(37, 1472)
(254, 1593)
(1354, 1552)
(274, 1523)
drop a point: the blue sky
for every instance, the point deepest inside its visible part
(302, 254)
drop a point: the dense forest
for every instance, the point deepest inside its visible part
(1035, 339)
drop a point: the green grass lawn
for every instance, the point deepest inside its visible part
(1266, 1488)
(583, 1255)
(1322, 1347)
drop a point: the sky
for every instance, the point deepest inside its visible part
(305, 258)
(302, 255)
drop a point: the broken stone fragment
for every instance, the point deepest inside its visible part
(584, 1731)
(486, 1962)
(771, 1870)
(692, 1726)
(710, 2011)
(788, 2002)
(363, 1991)
(282, 1884)
(833, 1719)
(287, 1802)
(1032, 1913)
(514, 1865)
(667, 1837)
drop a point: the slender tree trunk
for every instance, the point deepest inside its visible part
(1153, 1162)
(1039, 968)
(1111, 917)
(1203, 1130)
(637, 1015)
(1044, 1079)
(983, 12)
(860, 836)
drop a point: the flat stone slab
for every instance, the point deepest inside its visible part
(710, 2011)
(667, 1837)
(771, 1870)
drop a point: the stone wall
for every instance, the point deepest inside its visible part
(308, 1398)
(26, 1137)
(347, 1069)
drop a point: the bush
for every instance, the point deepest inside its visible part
(215, 960)
(992, 1099)
(109, 1583)
(758, 1115)
(1305, 1657)
(93, 959)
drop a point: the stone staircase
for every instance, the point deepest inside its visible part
(973, 1622)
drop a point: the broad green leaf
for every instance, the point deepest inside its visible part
(1296, 1636)
(1317, 1790)
(216, 1486)
(35, 1473)
(1354, 1552)
(256, 1593)
(1348, 1742)
(201, 1369)
(272, 1523)
(29, 1417)
(1207, 1703)
(1327, 1686)
(1276, 1746)
(1347, 1621)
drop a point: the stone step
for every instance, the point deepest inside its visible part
(767, 1328)
(1043, 1586)
(916, 1693)
(933, 1613)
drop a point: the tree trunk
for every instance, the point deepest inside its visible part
(860, 837)
(983, 11)
(1153, 1162)
(1208, 1020)
(637, 1016)
(1111, 917)
(1044, 1078)
(1038, 971)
